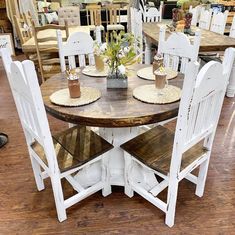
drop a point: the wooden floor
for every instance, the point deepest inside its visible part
(24, 210)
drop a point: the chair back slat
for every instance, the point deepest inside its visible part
(177, 50)
(93, 13)
(205, 19)
(113, 13)
(218, 22)
(232, 29)
(136, 30)
(79, 45)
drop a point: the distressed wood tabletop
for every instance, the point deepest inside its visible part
(210, 41)
(115, 108)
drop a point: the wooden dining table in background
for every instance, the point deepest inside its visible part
(117, 114)
(210, 41)
(30, 47)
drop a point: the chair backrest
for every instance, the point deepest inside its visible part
(28, 20)
(42, 35)
(70, 14)
(205, 19)
(136, 30)
(200, 107)
(28, 99)
(93, 13)
(79, 44)
(178, 50)
(23, 29)
(195, 11)
(113, 14)
(153, 14)
(218, 22)
(232, 29)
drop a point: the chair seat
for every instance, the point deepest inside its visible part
(111, 27)
(92, 27)
(154, 149)
(74, 147)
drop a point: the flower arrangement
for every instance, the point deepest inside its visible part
(119, 53)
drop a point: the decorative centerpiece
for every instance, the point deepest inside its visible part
(119, 54)
(73, 83)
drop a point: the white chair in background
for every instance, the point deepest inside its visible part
(205, 19)
(63, 154)
(177, 49)
(136, 30)
(173, 156)
(153, 14)
(79, 45)
(232, 29)
(218, 22)
(196, 13)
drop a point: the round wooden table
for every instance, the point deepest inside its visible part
(117, 114)
(116, 107)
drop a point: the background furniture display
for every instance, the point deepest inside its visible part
(205, 19)
(69, 14)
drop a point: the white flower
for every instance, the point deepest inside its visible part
(103, 47)
(121, 55)
(126, 50)
(122, 69)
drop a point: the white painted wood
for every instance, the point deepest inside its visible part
(229, 68)
(218, 22)
(137, 31)
(177, 49)
(199, 111)
(195, 11)
(205, 19)
(78, 46)
(153, 14)
(29, 103)
(232, 29)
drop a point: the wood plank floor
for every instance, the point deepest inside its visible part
(24, 210)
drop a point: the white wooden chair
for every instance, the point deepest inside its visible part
(136, 30)
(205, 19)
(63, 154)
(232, 29)
(196, 13)
(79, 44)
(177, 50)
(218, 22)
(173, 156)
(153, 14)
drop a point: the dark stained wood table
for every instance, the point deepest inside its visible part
(117, 113)
(210, 41)
(116, 107)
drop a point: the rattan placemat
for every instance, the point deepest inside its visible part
(92, 72)
(149, 94)
(147, 73)
(88, 95)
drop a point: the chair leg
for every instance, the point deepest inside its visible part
(106, 176)
(59, 197)
(171, 202)
(203, 169)
(37, 174)
(128, 164)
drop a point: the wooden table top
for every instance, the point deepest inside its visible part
(115, 108)
(210, 41)
(29, 46)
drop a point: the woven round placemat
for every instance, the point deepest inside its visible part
(147, 73)
(88, 95)
(92, 72)
(149, 94)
